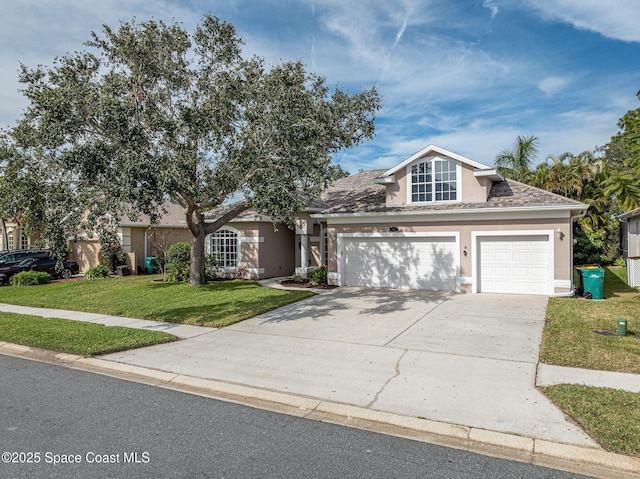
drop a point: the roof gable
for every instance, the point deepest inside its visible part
(439, 151)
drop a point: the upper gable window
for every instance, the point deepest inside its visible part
(434, 179)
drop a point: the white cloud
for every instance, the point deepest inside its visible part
(492, 7)
(553, 84)
(617, 19)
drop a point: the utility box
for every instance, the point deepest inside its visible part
(622, 327)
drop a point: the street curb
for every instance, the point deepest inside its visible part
(576, 459)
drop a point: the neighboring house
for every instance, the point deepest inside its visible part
(435, 221)
(630, 234)
(630, 244)
(14, 237)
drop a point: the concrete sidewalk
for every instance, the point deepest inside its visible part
(182, 331)
(465, 365)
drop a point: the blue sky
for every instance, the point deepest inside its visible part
(468, 76)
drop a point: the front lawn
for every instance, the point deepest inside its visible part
(569, 340)
(216, 304)
(76, 337)
(612, 417)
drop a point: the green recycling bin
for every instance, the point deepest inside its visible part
(151, 264)
(592, 282)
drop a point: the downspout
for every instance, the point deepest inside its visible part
(573, 220)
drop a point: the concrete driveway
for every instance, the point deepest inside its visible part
(458, 358)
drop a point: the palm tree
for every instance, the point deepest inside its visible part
(569, 179)
(516, 162)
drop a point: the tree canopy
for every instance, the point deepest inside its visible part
(607, 179)
(516, 162)
(150, 113)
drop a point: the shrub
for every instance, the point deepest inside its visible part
(296, 278)
(620, 262)
(319, 276)
(240, 273)
(111, 254)
(178, 253)
(213, 268)
(178, 272)
(30, 278)
(97, 272)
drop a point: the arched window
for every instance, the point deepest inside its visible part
(223, 244)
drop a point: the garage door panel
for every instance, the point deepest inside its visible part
(514, 264)
(407, 263)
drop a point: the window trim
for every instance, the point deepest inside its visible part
(432, 160)
(209, 246)
(24, 241)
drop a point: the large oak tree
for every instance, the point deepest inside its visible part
(149, 113)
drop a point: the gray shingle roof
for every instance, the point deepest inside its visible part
(170, 215)
(358, 194)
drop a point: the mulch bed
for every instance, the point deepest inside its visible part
(306, 284)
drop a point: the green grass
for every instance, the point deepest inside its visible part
(76, 337)
(569, 340)
(612, 417)
(216, 304)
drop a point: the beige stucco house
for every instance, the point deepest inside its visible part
(435, 221)
(14, 237)
(438, 220)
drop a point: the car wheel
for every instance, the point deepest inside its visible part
(66, 273)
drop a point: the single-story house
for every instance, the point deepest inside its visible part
(238, 244)
(435, 221)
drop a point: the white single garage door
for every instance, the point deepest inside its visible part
(514, 264)
(403, 263)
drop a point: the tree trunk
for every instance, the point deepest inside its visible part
(5, 235)
(197, 267)
(199, 231)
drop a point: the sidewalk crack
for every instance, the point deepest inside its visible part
(375, 399)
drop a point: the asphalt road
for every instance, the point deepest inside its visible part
(61, 423)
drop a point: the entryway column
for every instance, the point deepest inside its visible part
(304, 250)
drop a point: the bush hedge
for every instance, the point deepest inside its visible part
(30, 278)
(178, 253)
(177, 262)
(97, 272)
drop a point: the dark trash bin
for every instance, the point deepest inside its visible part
(152, 264)
(591, 281)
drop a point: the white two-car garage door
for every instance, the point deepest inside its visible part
(514, 264)
(401, 262)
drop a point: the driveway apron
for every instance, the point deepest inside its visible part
(458, 358)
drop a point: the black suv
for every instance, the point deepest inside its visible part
(47, 265)
(14, 256)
